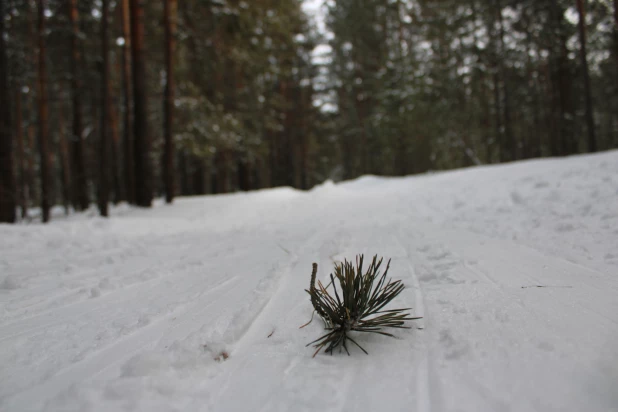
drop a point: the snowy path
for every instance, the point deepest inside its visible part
(197, 306)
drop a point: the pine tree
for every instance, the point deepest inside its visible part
(7, 177)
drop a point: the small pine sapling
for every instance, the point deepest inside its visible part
(358, 306)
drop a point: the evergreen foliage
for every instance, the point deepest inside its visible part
(358, 305)
(265, 97)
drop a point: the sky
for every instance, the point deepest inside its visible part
(314, 9)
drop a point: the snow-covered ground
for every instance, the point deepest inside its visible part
(197, 306)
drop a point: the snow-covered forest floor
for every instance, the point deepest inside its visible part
(197, 306)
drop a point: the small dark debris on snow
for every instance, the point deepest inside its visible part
(546, 286)
(222, 356)
(271, 333)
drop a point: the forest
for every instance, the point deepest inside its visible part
(109, 101)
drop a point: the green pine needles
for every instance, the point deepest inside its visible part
(357, 305)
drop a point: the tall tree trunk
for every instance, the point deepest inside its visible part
(81, 200)
(502, 156)
(65, 168)
(115, 151)
(200, 179)
(79, 181)
(306, 99)
(615, 140)
(244, 174)
(143, 169)
(30, 174)
(534, 144)
(44, 153)
(183, 165)
(129, 168)
(592, 139)
(561, 82)
(484, 121)
(21, 156)
(616, 28)
(103, 198)
(510, 143)
(170, 9)
(223, 165)
(7, 177)
(495, 71)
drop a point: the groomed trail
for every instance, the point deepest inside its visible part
(197, 306)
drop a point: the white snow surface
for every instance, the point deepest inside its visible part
(197, 306)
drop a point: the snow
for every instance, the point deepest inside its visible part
(197, 306)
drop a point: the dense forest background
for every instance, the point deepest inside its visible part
(125, 100)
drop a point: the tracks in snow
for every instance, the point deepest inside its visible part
(162, 332)
(486, 342)
(325, 382)
(495, 344)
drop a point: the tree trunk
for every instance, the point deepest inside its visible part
(115, 151)
(65, 168)
(616, 32)
(7, 177)
(21, 156)
(30, 174)
(43, 108)
(222, 163)
(244, 175)
(592, 140)
(495, 71)
(534, 144)
(103, 198)
(170, 45)
(615, 142)
(81, 199)
(307, 103)
(129, 168)
(510, 143)
(143, 169)
(184, 172)
(561, 83)
(200, 177)
(503, 157)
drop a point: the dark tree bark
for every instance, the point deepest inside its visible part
(222, 163)
(484, 122)
(561, 83)
(184, 172)
(592, 140)
(616, 27)
(201, 180)
(503, 156)
(81, 199)
(534, 145)
(244, 175)
(21, 156)
(616, 53)
(30, 173)
(65, 168)
(43, 109)
(510, 144)
(616, 13)
(170, 46)
(129, 168)
(115, 151)
(495, 71)
(306, 99)
(143, 169)
(7, 177)
(103, 198)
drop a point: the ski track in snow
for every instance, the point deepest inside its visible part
(197, 306)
